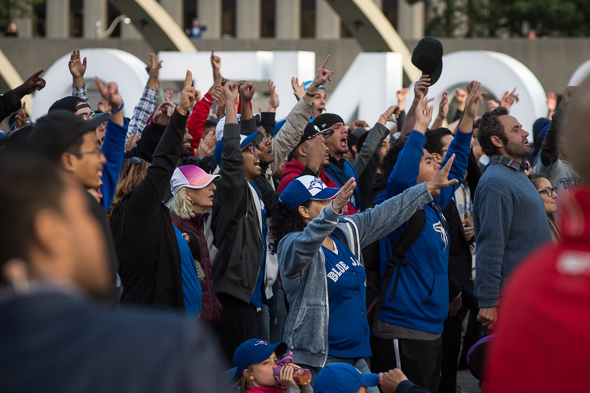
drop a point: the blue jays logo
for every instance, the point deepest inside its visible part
(315, 184)
(261, 342)
(439, 227)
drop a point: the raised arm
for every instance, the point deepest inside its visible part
(288, 137)
(375, 138)
(148, 195)
(147, 103)
(77, 70)
(550, 146)
(420, 91)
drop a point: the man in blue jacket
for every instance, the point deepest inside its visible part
(408, 333)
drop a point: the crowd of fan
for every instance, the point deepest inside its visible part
(383, 247)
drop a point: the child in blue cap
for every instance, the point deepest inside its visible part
(255, 363)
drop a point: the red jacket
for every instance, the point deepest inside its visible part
(293, 169)
(196, 121)
(542, 342)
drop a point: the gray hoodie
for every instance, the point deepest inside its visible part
(303, 270)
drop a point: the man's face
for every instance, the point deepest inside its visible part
(428, 167)
(518, 146)
(319, 102)
(338, 142)
(87, 246)
(88, 162)
(251, 155)
(266, 156)
(186, 144)
(320, 142)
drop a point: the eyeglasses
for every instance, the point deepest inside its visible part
(87, 116)
(251, 148)
(549, 191)
(96, 151)
(267, 138)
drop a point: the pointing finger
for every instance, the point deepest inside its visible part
(325, 62)
(188, 80)
(100, 86)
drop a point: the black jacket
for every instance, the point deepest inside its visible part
(235, 224)
(145, 241)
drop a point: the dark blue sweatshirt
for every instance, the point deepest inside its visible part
(422, 297)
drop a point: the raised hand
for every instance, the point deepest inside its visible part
(443, 111)
(32, 84)
(423, 115)
(247, 90)
(508, 98)
(401, 97)
(551, 101)
(153, 69)
(103, 105)
(322, 76)
(491, 104)
(110, 92)
(215, 64)
(132, 142)
(421, 87)
(163, 113)
(273, 100)
(461, 97)
(231, 92)
(388, 114)
(77, 67)
(344, 195)
(474, 99)
(21, 117)
(169, 94)
(188, 95)
(568, 94)
(441, 179)
(298, 90)
(207, 145)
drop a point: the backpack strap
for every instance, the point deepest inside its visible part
(413, 230)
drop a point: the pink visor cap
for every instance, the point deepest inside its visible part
(190, 176)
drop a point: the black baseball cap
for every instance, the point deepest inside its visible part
(54, 133)
(312, 130)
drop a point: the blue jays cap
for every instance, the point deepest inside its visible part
(342, 378)
(303, 189)
(255, 351)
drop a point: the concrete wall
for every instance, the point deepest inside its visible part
(553, 61)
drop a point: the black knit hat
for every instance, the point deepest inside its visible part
(327, 120)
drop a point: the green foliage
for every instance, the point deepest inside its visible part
(14, 9)
(491, 18)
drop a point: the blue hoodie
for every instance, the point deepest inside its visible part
(422, 297)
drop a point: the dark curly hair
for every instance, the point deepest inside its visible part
(283, 222)
(490, 126)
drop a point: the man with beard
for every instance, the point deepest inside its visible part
(509, 216)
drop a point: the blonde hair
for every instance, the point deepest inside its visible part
(131, 175)
(246, 381)
(180, 205)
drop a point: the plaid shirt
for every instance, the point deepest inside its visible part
(144, 109)
(80, 91)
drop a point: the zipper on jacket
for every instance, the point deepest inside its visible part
(327, 306)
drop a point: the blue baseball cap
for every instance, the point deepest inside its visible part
(342, 378)
(255, 137)
(303, 189)
(306, 86)
(255, 351)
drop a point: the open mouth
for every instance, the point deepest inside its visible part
(344, 142)
(257, 164)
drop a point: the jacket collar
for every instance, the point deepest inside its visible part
(509, 162)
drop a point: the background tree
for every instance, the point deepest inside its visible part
(15, 9)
